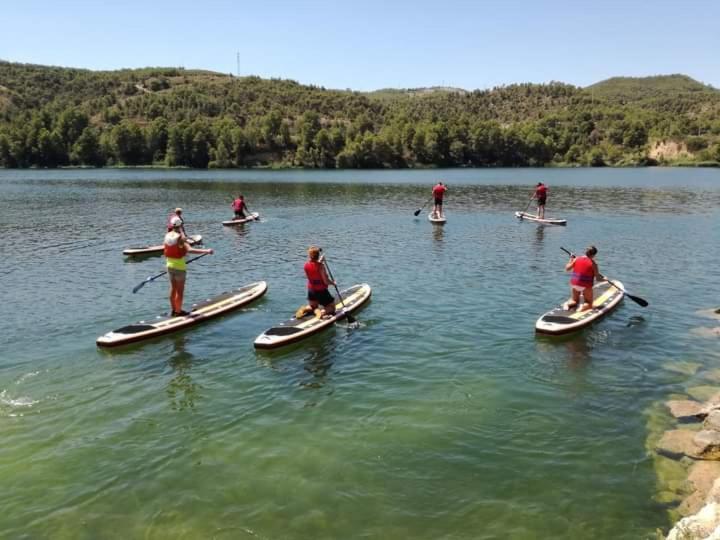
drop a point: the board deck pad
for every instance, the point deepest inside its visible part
(439, 220)
(562, 321)
(545, 221)
(202, 311)
(156, 250)
(295, 329)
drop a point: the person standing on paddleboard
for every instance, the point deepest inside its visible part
(176, 214)
(541, 196)
(317, 285)
(438, 192)
(584, 272)
(175, 248)
(239, 207)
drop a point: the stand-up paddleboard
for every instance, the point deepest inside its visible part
(438, 220)
(199, 312)
(545, 221)
(157, 250)
(562, 321)
(296, 329)
(252, 217)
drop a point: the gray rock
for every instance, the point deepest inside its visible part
(712, 421)
(700, 525)
(686, 409)
(707, 444)
(677, 443)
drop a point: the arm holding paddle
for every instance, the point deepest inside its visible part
(350, 318)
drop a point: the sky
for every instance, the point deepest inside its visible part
(372, 44)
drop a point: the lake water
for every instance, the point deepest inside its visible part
(442, 416)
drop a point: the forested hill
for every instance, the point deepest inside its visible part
(52, 116)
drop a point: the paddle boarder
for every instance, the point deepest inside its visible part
(175, 248)
(438, 192)
(317, 285)
(584, 273)
(239, 207)
(177, 214)
(541, 196)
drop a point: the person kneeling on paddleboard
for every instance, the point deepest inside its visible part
(239, 207)
(317, 285)
(438, 192)
(175, 248)
(541, 196)
(584, 272)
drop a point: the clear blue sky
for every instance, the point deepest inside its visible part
(365, 45)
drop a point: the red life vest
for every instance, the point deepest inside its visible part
(173, 250)
(583, 272)
(238, 205)
(541, 192)
(439, 191)
(313, 271)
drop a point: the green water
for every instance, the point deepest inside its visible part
(442, 416)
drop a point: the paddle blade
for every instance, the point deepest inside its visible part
(139, 286)
(640, 301)
(417, 212)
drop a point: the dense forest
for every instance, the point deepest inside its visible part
(53, 117)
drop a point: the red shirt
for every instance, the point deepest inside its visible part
(541, 192)
(439, 191)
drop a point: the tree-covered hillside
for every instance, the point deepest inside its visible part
(51, 116)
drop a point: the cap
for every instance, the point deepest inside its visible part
(176, 222)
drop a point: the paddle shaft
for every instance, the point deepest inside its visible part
(350, 318)
(423, 206)
(153, 278)
(640, 301)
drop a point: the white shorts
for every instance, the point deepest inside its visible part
(578, 288)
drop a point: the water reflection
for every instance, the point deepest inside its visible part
(316, 358)
(181, 390)
(539, 235)
(438, 233)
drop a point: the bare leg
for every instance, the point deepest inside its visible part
(541, 211)
(588, 297)
(574, 297)
(179, 293)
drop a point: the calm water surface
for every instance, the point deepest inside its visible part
(442, 416)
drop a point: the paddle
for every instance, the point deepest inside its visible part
(640, 301)
(153, 278)
(423, 206)
(528, 205)
(350, 318)
(250, 214)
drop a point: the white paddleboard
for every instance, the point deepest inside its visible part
(438, 220)
(252, 217)
(561, 320)
(546, 221)
(157, 250)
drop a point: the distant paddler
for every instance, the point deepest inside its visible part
(239, 207)
(584, 273)
(175, 248)
(541, 196)
(438, 192)
(318, 283)
(177, 214)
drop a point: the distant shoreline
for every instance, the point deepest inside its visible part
(704, 164)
